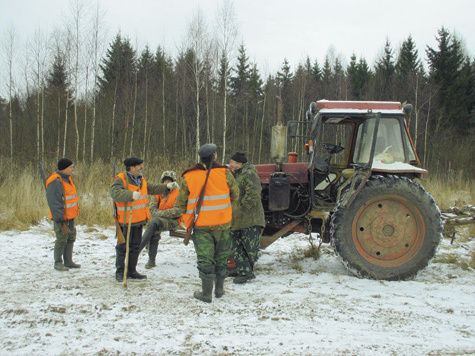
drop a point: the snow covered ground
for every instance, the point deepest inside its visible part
(296, 306)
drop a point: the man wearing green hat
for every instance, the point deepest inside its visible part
(214, 187)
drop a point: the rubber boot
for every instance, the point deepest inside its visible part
(58, 257)
(119, 263)
(219, 287)
(133, 259)
(152, 253)
(68, 256)
(206, 294)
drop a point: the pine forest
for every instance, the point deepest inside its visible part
(75, 93)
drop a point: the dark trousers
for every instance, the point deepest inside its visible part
(135, 239)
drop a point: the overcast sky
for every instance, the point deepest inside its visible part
(270, 29)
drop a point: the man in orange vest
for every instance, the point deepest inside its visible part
(63, 208)
(159, 203)
(128, 187)
(211, 230)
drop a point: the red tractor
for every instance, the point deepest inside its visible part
(357, 189)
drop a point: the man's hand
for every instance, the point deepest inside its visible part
(173, 185)
(136, 195)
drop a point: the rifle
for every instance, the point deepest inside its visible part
(119, 233)
(64, 228)
(198, 207)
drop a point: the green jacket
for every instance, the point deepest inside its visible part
(248, 210)
(120, 194)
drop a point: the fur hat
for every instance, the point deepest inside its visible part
(239, 157)
(132, 161)
(64, 163)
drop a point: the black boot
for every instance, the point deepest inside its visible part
(119, 262)
(152, 253)
(58, 257)
(153, 226)
(68, 256)
(132, 268)
(219, 288)
(244, 278)
(207, 290)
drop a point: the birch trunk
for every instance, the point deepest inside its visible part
(113, 120)
(163, 111)
(262, 126)
(145, 119)
(133, 114)
(65, 124)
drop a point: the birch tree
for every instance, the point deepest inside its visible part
(199, 44)
(9, 40)
(39, 54)
(77, 12)
(228, 32)
(97, 47)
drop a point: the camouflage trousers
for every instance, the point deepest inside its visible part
(245, 248)
(212, 251)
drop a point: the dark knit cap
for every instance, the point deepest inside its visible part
(239, 157)
(207, 150)
(64, 163)
(132, 161)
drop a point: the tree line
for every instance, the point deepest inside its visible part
(80, 102)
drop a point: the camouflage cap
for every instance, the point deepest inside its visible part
(207, 150)
(170, 175)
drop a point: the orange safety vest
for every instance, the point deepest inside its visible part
(216, 206)
(141, 211)
(169, 203)
(70, 197)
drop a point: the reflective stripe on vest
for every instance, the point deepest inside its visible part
(141, 211)
(70, 197)
(216, 205)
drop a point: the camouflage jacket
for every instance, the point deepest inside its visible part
(247, 209)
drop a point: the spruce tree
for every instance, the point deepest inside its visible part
(384, 74)
(450, 72)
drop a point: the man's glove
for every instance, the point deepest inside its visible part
(136, 195)
(173, 185)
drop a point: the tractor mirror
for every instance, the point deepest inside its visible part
(292, 129)
(313, 107)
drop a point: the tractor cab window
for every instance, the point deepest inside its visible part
(390, 142)
(335, 140)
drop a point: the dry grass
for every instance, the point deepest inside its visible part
(23, 198)
(452, 190)
(456, 260)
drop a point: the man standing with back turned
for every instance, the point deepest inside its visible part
(211, 230)
(126, 187)
(63, 208)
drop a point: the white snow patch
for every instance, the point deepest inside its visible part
(296, 306)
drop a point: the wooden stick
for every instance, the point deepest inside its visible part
(127, 250)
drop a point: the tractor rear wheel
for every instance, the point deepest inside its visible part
(390, 231)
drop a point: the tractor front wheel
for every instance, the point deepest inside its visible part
(391, 230)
